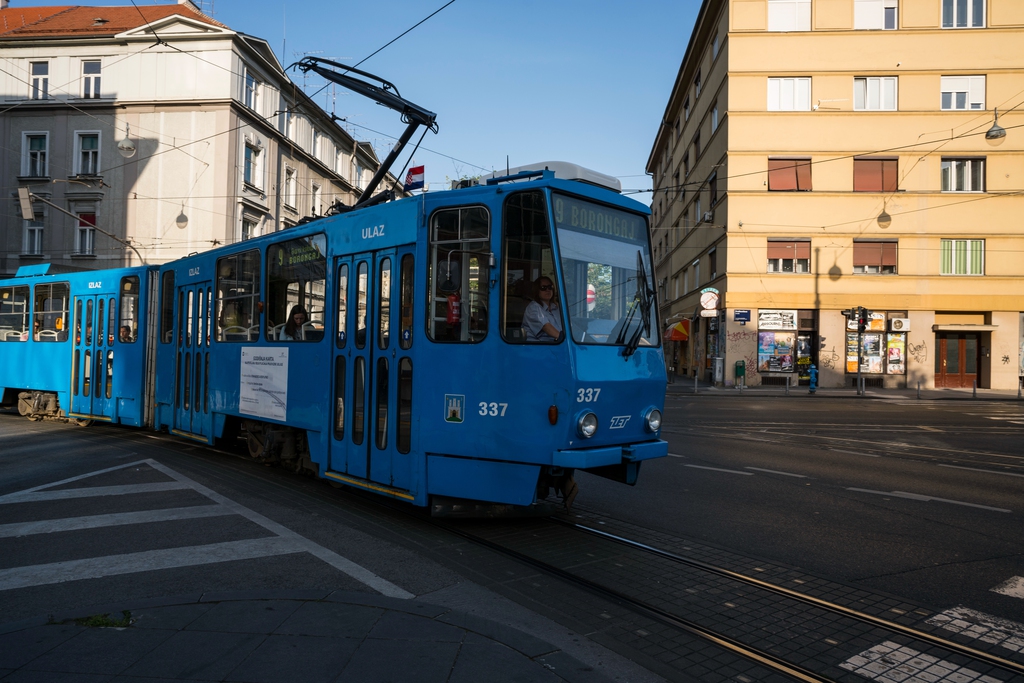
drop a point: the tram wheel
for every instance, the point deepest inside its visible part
(25, 405)
(255, 441)
(83, 423)
(34, 417)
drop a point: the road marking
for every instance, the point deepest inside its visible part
(284, 540)
(984, 627)
(49, 526)
(785, 474)
(1014, 587)
(925, 499)
(719, 469)
(929, 429)
(976, 469)
(870, 455)
(894, 662)
(674, 455)
(67, 494)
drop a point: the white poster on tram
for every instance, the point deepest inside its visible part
(264, 383)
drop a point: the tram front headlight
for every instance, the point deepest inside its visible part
(652, 421)
(587, 425)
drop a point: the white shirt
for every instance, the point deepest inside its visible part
(536, 317)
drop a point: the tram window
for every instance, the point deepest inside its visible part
(342, 306)
(111, 322)
(110, 374)
(460, 254)
(238, 293)
(88, 323)
(404, 405)
(382, 403)
(358, 400)
(405, 321)
(339, 397)
(296, 282)
(14, 313)
(384, 304)
(528, 256)
(128, 329)
(167, 306)
(362, 281)
(100, 320)
(53, 301)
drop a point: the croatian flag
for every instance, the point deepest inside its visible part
(414, 180)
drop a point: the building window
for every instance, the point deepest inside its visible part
(874, 256)
(34, 157)
(875, 14)
(871, 174)
(252, 174)
(40, 80)
(289, 187)
(963, 175)
(91, 79)
(713, 188)
(963, 257)
(359, 176)
(963, 13)
(698, 217)
(315, 207)
(696, 273)
(686, 163)
(696, 146)
(789, 15)
(250, 224)
(789, 94)
(714, 48)
(686, 108)
(696, 85)
(85, 234)
(686, 282)
(252, 92)
(317, 142)
(713, 263)
(714, 117)
(88, 157)
(963, 92)
(875, 93)
(789, 256)
(788, 175)
(33, 240)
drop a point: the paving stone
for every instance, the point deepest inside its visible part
(331, 619)
(296, 658)
(100, 651)
(174, 617)
(514, 638)
(395, 626)
(385, 661)
(496, 663)
(197, 655)
(245, 617)
(20, 647)
(26, 676)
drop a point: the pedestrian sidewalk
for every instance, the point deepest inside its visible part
(686, 386)
(272, 637)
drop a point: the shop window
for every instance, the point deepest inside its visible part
(53, 301)
(963, 257)
(296, 282)
(128, 324)
(871, 174)
(882, 351)
(874, 256)
(238, 293)
(459, 274)
(789, 174)
(789, 256)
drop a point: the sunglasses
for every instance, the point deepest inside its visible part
(546, 288)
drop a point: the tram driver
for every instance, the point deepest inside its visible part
(542, 320)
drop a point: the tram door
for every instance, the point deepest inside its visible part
(92, 374)
(366, 369)
(192, 363)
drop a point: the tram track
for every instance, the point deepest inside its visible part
(742, 626)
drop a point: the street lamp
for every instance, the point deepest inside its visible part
(126, 147)
(995, 135)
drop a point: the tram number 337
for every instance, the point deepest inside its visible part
(587, 395)
(493, 409)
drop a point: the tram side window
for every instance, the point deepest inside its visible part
(53, 302)
(238, 294)
(459, 276)
(527, 257)
(296, 284)
(405, 326)
(167, 306)
(128, 325)
(14, 313)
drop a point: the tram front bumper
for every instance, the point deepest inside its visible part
(583, 459)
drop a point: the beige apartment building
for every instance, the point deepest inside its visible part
(816, 156)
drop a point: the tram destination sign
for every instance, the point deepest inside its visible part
(583, 216)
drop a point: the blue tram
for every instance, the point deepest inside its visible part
(388, 349)
(73, 345)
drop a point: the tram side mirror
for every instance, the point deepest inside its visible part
(447, 287)
(448, 274)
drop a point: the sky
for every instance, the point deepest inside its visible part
(583, 81)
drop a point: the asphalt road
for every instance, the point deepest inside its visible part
(920, 499)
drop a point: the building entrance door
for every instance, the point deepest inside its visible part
(956, 359)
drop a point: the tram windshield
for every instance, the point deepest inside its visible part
(605, 255)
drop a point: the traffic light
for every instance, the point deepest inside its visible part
(862, 319)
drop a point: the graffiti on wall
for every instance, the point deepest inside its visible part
(919, 352)
(828, 358)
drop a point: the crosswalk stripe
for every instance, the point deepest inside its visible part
(891, 661)
(96, 491)
(49, 526)
(150, 560)
(1014, 588)
(971, 623)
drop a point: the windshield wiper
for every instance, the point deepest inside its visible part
(643, 302)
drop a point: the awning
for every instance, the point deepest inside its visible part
(964, 328)
(678, 332)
